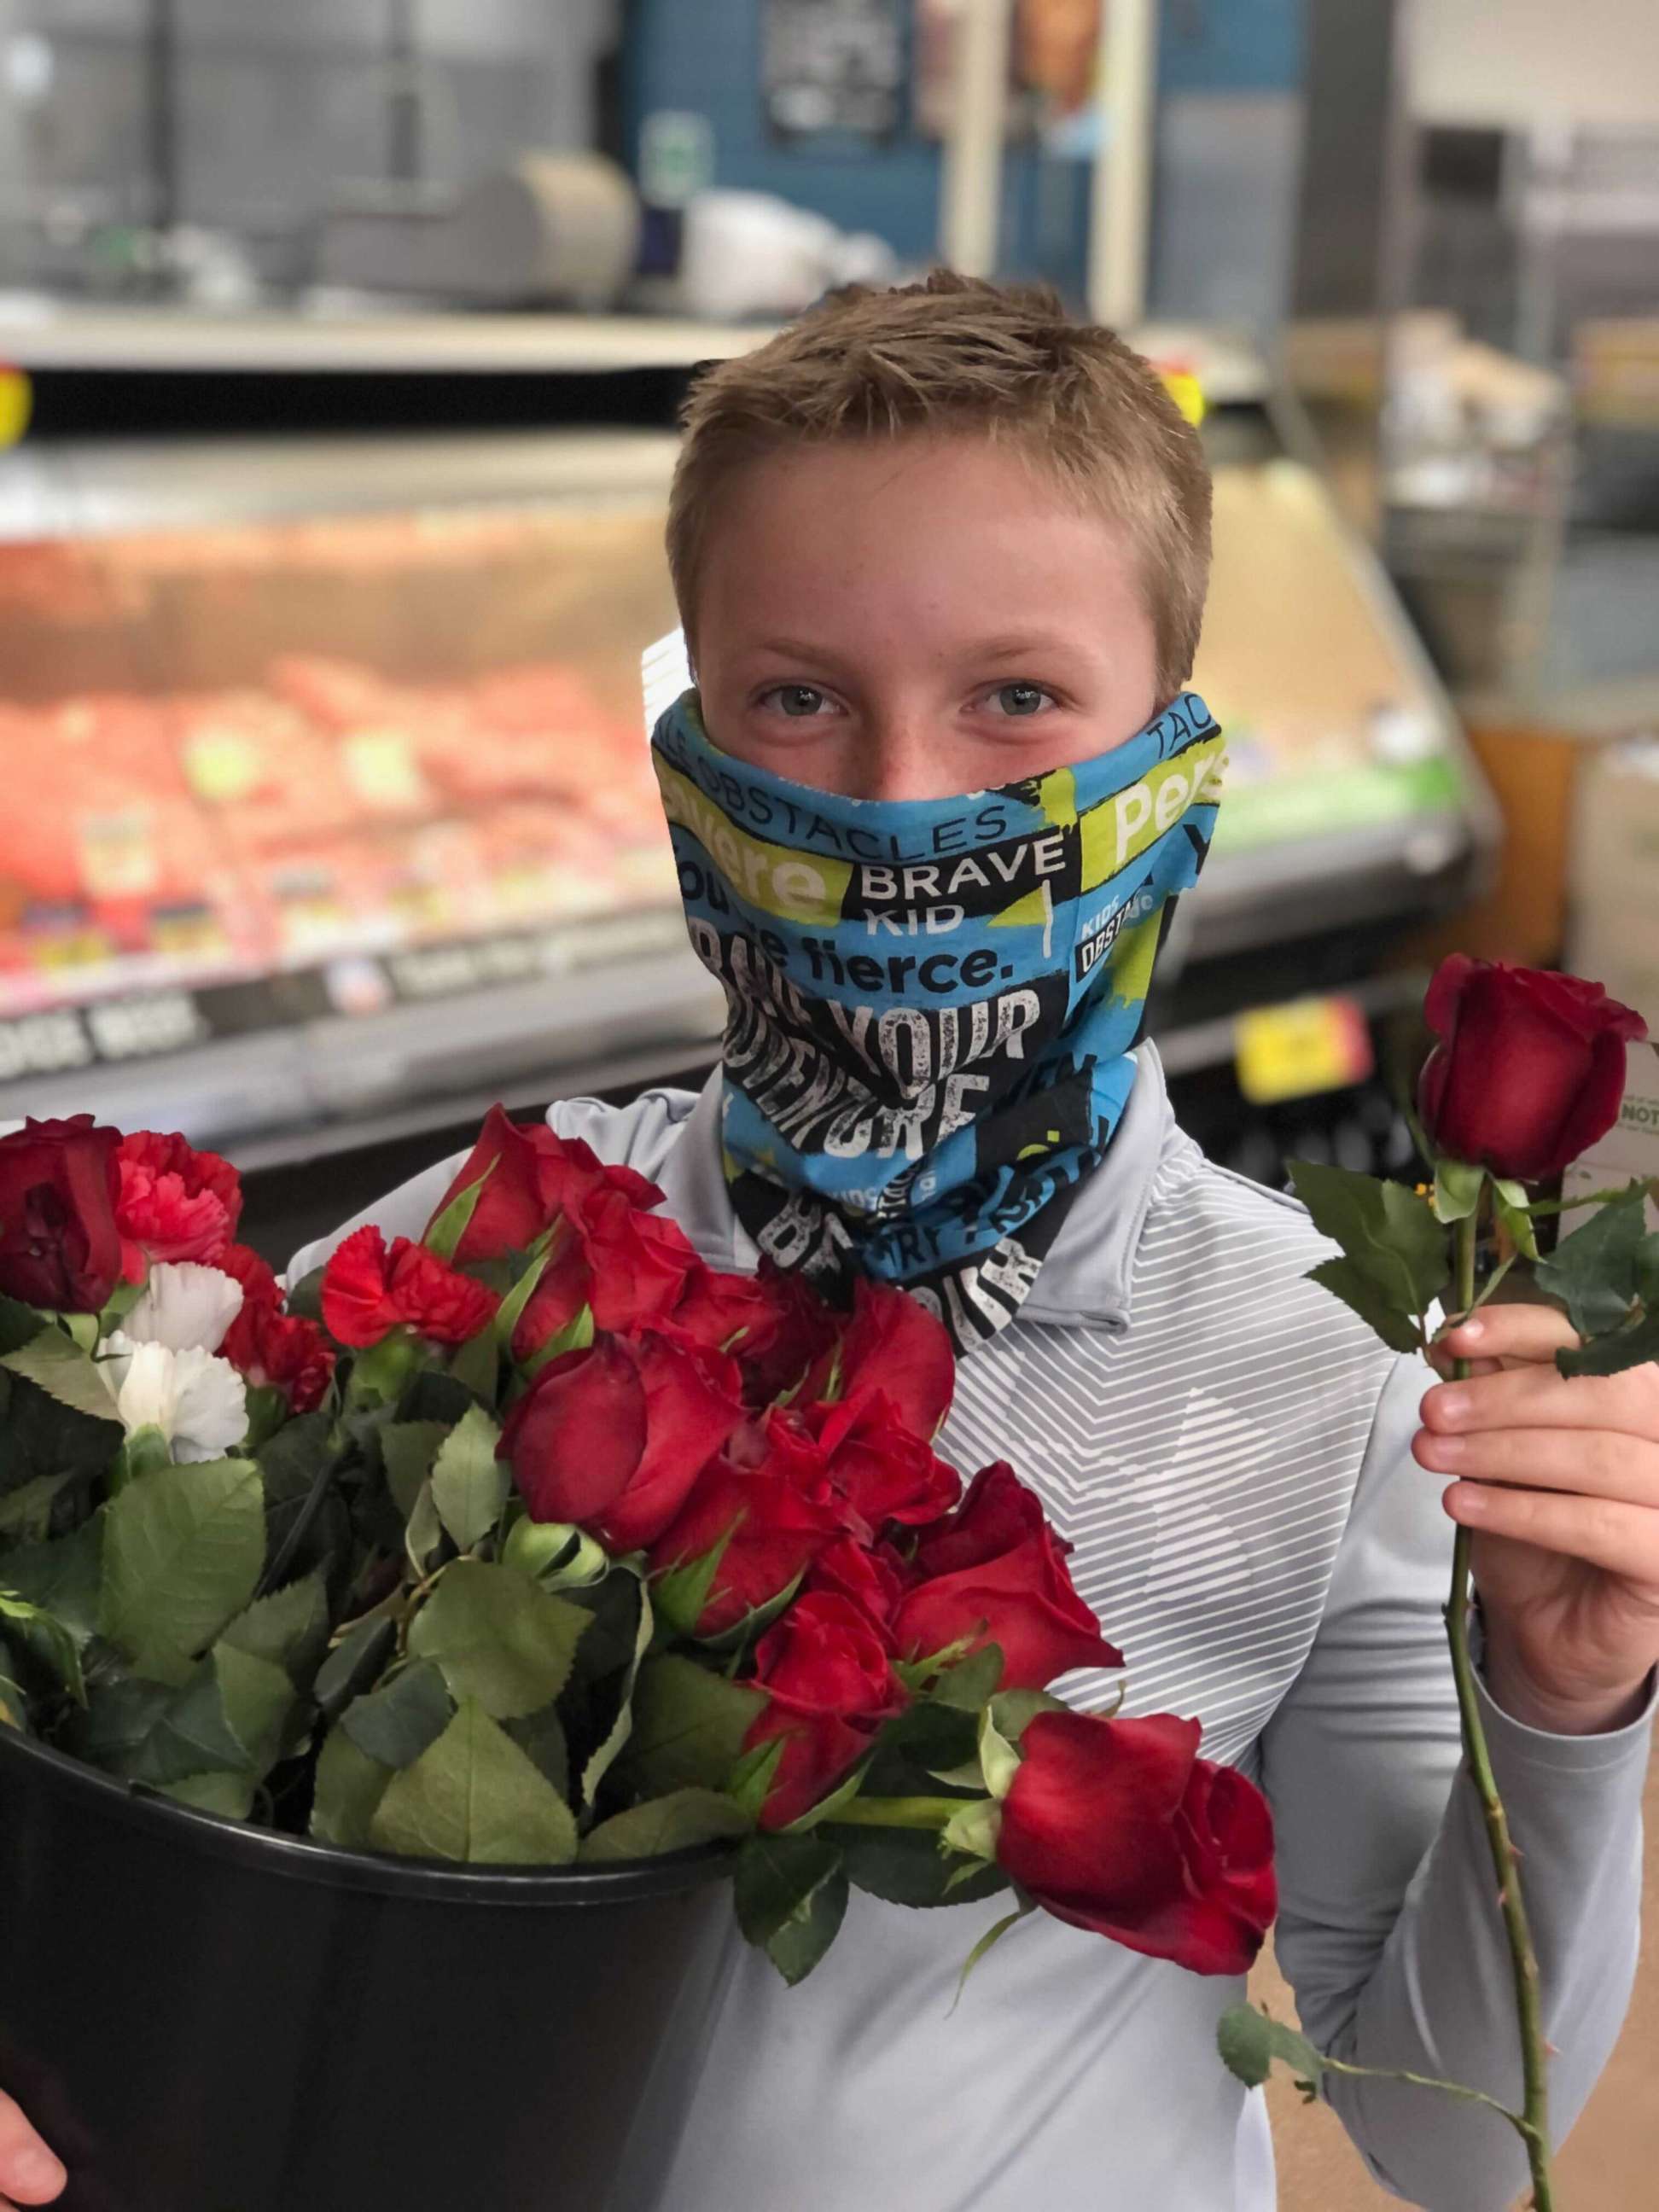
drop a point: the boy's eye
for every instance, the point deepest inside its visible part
(1021, 700)
(798, 700)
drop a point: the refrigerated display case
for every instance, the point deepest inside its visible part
(330, 815)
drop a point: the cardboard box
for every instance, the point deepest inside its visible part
(1618, 946)
(1615, 846)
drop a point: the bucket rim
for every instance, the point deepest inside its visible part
(263, 1850)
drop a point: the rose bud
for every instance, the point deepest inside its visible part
(1011, 1588)
(613, 1437)
(60, 1246)
(829, 1685)
(1117, 1826)
(1529, 1070)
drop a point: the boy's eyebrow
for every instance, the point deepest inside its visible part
(1014, 645)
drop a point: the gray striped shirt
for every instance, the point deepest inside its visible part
(1227, 1449)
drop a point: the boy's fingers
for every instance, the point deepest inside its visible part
(29, 2174)
(1596, 1465)
(1622, 1539)
(1511, 1332)
(1536, 1397)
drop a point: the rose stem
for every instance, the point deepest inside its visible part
(896, 1812)
(1506, 1860)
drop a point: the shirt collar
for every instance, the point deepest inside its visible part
(1085, 1280)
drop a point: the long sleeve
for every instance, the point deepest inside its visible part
(1390, 1930)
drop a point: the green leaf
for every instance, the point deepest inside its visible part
(1514, 1212)
(477, 1366)
(63, 1577)
(230, 1795)
(258, 1698)
(475, 1797)
(183, 1549)
(396, 1723)
(973, 1681)
(673, 1823)
(350, 1786)
(19, 1325)
(1250, 2041)
(499, 1638)
(541, 1737)
(226, 1717)
(1345, 1279)
(679, 1596)
(974, 1830)
(754, 1622)
(576, 1336)
(1013, 1711)
(408, 1450)
(906, 1866)
(26, 1514)
(305, 1298)
(469, 1483)
(827, 1807)
(356, 1661)
(1611, 1355)
(47, 1639)
(688, 1726)
(66, 1373)
(1389, 1233)
(780, 1881)
(448, 1229)
(510, 1311)
(1457, 1188)
(991, 1937)
(601, 1760)
(999, 1761)
(1597, 1270)
(289, 1628)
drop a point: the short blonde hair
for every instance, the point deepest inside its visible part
(956, 355)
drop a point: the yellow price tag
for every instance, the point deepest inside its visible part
(1296, 1050)
(1188, 393)
(16, 405)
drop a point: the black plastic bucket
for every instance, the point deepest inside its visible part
(203, 2017)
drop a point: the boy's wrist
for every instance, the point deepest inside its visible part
(1556, 1709)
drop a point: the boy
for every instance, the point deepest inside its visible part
(937, 542)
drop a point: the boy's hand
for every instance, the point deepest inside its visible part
(29, 2174)
(1559, 1480)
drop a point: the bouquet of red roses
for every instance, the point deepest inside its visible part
(539, 1541)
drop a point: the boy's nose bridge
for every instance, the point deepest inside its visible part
(902, 750)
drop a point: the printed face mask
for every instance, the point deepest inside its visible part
(931, 1003)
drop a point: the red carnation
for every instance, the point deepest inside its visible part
(257, 1279)
(270, 1347)
(175, 1203)
(368, 1290)
(1117, 1826)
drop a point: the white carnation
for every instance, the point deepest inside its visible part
(186, 1306)
(198, 1403)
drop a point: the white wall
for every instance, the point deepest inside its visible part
(1535, 62)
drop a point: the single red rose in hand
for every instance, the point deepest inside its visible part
(613, 1437)
(628, 1267)
(769, 1496)
(872, 1576)
(1117, 1826)
(530, 1175)
(60, 1246)
(369, 1290)
(880, 1465)
(892, 1343)
(257, 1277)
(270, 1347)
(175, 1202)
(829, 1684)
(804, 1331)
(1529, 1070)
(1020, 1598)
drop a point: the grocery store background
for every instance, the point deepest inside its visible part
(340, 347)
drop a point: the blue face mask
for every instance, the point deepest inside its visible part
(932, 1003)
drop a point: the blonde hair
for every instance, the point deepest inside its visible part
(956, 354)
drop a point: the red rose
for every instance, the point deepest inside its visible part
(628, 1267)
(892, 1343)
(803, 1331)
(1529, 1070)
(883, 1468)
(829, 1685)
(771, 1491)
(368, 1290)
(1019, 1597)
(60, 1246)
(1119, 1827)
(613, 1437)
(175, 1203)
(870, 1576)
(270, 1347)
(715, 1308)
(532, 1176)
